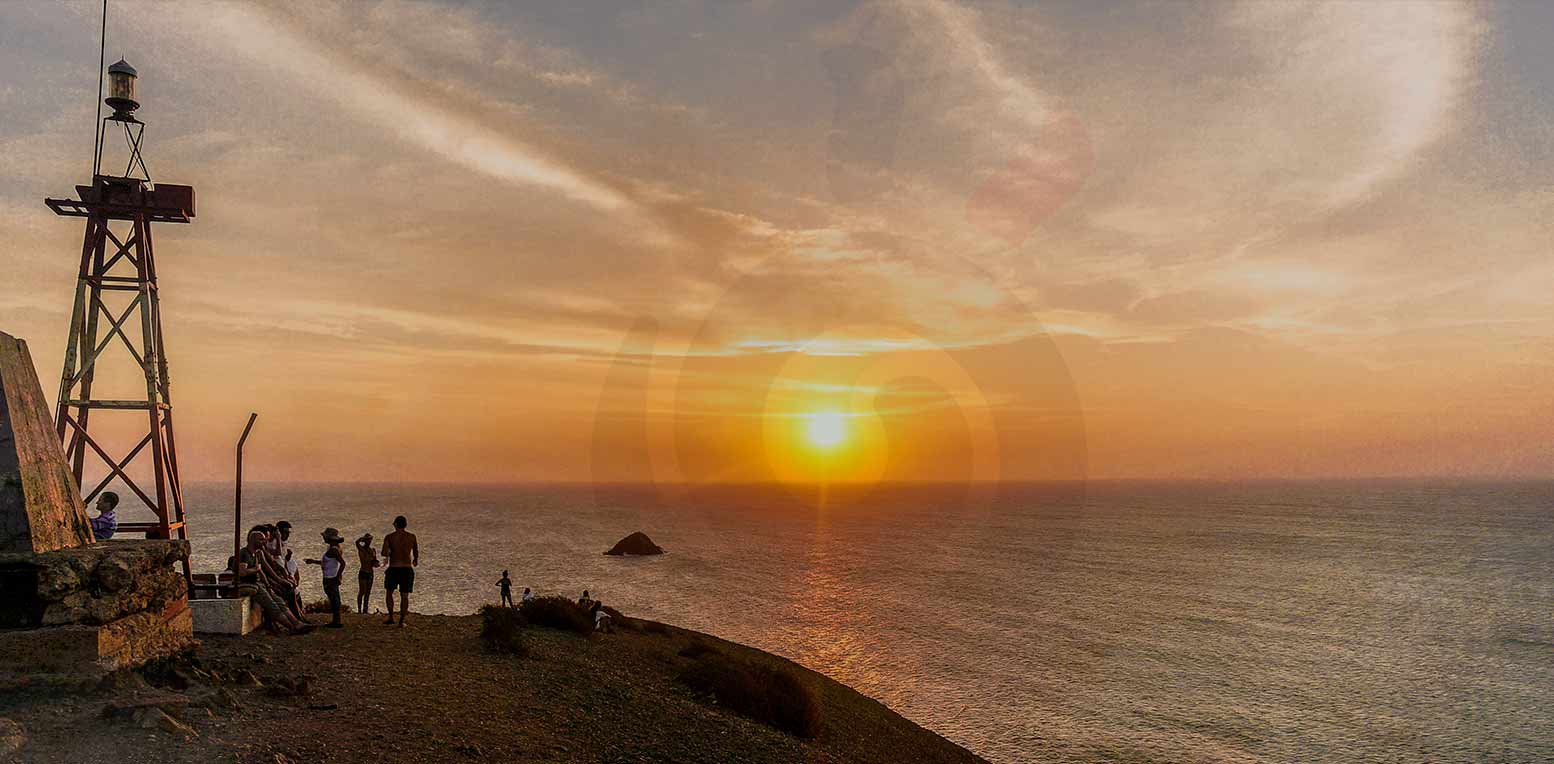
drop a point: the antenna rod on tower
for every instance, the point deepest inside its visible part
(102, 52)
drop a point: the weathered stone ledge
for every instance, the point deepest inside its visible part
(93, 585)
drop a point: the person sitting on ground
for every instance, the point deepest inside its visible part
(105, 523)
(527, 595)
(506, 585)
(332, 564)
(585, 602)
(602, 620)
(369, 563)
(251, 582)
(403, 555)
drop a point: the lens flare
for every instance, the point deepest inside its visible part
(825, 429)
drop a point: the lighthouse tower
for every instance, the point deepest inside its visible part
(116, 330)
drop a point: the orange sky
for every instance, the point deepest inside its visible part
(574, 242)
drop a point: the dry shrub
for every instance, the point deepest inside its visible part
(501, 630)
(557, 613)
(621, 621)
(322, 606)
(772, 696)
(698, 648)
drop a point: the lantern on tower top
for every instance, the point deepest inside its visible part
(122, 99)
(121, 91)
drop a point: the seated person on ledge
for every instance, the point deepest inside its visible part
(105, 523)
(254, 581)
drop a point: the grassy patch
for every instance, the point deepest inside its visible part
(697, 649)
(557, 613)
(501, 630)
(773, 696)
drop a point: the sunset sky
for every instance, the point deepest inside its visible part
(992, 241)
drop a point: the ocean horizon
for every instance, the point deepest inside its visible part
(1254, 621)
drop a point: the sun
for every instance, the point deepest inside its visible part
(825, 429)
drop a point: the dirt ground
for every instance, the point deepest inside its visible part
(429, 692)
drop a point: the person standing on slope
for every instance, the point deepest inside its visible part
(403, 556)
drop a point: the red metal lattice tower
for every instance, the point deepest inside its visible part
(118, 264)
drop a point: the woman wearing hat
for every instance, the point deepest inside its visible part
(332, 565)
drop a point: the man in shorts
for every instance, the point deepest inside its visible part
(403, 556)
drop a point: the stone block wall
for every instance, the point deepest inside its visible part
(91, 585)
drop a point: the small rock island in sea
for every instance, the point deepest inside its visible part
(636, 544)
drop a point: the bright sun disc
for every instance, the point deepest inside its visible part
(825, 429)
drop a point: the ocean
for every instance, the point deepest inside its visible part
(1376, 621)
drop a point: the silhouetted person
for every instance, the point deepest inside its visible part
(527, 595)
(506, 584)
(585, 602)
(369, 565)
(281, 585)
(332, 565)
(602, 619)
(283, 531)
(254, 571)
(403, 555)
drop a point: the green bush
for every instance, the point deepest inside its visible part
(501, 630)
(557, 613)
(772, 696)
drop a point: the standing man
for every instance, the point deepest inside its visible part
(403, 555)
(293, 570)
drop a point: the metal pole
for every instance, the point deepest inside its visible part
(102, 57)
(237, 504)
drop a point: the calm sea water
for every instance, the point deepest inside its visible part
(1133, 622)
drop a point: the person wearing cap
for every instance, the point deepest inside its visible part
(369, 562)
(332, 564)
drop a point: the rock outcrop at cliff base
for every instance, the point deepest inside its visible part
(636, 544)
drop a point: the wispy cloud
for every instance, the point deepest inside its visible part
(392, 103)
